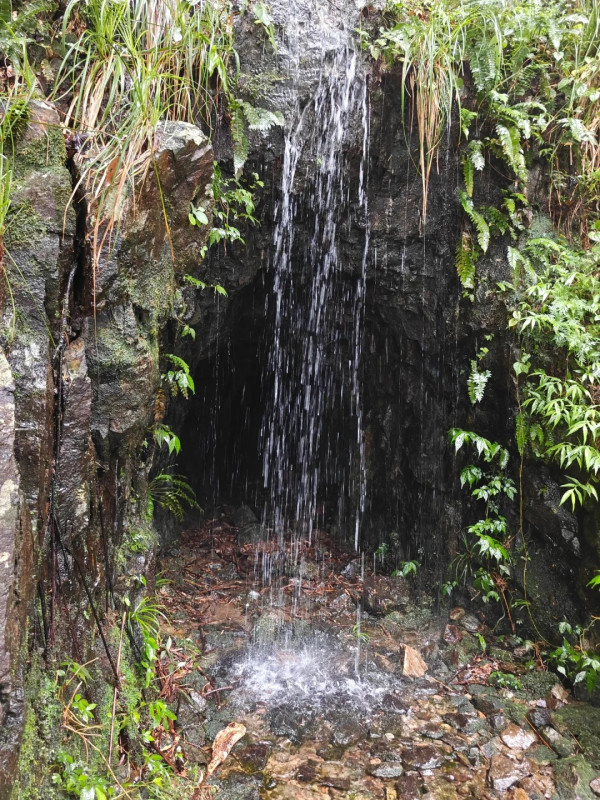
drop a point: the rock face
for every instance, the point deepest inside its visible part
(80, 376)
(418, 339)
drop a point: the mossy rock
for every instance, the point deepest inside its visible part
(583, 722)
(572, 778)
(41, 737)
(536, 684)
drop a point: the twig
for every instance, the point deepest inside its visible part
(219, 689)
(116, 691)
(94, 611)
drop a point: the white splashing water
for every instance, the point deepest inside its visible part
(313, 675)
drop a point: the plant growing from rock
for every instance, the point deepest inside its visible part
(556, 300)
(486, 557)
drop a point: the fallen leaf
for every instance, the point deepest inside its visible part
(413, 665)
(224, 741)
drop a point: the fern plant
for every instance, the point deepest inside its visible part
(172, 493)
(248, 117)
(556, 296)
(485, 558)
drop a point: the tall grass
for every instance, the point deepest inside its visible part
(513, 52)
(134, 64)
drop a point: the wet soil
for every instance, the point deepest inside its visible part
(320, 659)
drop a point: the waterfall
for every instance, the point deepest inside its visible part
(317, 307)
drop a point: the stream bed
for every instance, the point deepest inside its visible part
(352, 685)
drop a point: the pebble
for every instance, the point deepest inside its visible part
(595, 785)
(504, 772)
(560, 744)
(408, 787)
(335, 775)
(387, 770)
(497, 722)
(421, 758)
(539, 717)
(452, 634)
(470, 623)
(517, 738)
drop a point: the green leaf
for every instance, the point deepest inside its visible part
(482, 228)
(198, 216)
(468, 172)
(595, 582)
(465, 261)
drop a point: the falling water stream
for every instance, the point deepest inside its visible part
(317, 307)
(313, 368)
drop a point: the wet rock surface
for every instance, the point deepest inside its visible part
(326, 708)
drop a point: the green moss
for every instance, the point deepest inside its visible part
(24, 226)
(259, 86)
(41, 737)
(139, 538)
(153, 290)
(41, 153)
(116, 351)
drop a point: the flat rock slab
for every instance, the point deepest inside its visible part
(422, 757)
(387, 770)
(504, 772)
(516, 738)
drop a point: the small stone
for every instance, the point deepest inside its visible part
(459, 721)
(391, 702)
(457, 742)
(284, 722)
(387, 770)
(307, 773)
(470, 623)
(542, 755)
(497, 722)
(539, 717)
(487, 704)
(562, 746)
(408, 787)
(595, 785)
(517, 738)
(452, 634)
(423, 758)
(335, 775)
(462, 705)
(504, 772)
(456, 613)
(348, 731)
(489, 748)
(432, 731)
(253, 758)
(518, 794)
(557, 697)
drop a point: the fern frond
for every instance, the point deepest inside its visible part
(468, 173)
(476, 156)
(465, 261)
(483, 229)
(521, 432)
(510, 143)
(476, 383)
(260, 119)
